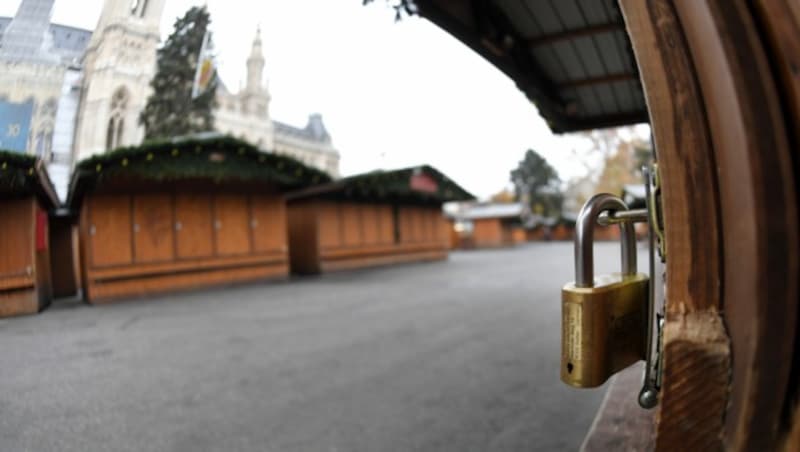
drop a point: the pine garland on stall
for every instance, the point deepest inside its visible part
(395, 185)
(217, 159)
(17, 172)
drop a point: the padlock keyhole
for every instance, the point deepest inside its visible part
(570, 367)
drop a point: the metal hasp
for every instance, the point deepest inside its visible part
(648, 396)
(603, 327)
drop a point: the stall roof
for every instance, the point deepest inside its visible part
(22, 174)
(492, 210)
(219, 159)
(572, 58)
(416, 184)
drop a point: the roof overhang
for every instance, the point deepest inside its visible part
(213, 159)
(419, 184)
(22, 175)
(571, 58)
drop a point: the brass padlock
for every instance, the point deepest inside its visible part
(603, 319)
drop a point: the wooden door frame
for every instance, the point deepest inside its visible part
(730, 218)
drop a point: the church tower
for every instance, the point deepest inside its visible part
(119, 63)
(245, 114)
(255, 65)
(255, 95)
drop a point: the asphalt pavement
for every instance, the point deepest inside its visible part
(460, 355)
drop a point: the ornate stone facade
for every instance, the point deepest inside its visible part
(119, 63)
(88, 88)
(38, 65)
(246, 115)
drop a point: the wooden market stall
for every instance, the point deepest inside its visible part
(26, 196)
(538, 233)
(186, 214)
(494, 224)
(377, 218)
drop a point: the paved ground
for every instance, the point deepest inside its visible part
(453, 356)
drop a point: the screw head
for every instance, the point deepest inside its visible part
(648, 398)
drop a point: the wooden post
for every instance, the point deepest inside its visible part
(759, 212)
(696, 351)
(719, 126)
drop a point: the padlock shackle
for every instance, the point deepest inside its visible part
(584, 238)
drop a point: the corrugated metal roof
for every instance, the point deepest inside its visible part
(572, 58)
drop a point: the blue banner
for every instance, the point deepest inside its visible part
(15, 124)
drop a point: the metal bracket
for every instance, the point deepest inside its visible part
(654, 208)
(648, 396)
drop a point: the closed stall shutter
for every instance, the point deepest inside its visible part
(193, 225)
(428, 228)
(330, 235)
(153, 228)
(110, 230)
(370, 224)
(268, 222)
(16, 240)
(416, 224)
(441, 227)
(406, 224)
(232, 225)
(351, 222)
(386, 225)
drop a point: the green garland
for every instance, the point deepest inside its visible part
(222, 159)
(17, 173)
(395, 185)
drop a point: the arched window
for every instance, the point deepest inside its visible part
(110, 134)
(43, 140)
(116, 123)
(40, 137)
(120, 128)
(138, 7)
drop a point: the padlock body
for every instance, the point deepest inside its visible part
(603, 328)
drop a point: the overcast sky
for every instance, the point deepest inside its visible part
(391, 94)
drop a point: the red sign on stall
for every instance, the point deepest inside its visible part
(423, 182)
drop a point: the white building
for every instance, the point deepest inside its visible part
(246, 115)
(118, 65)
(83, 91)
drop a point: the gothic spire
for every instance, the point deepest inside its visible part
(255, 65)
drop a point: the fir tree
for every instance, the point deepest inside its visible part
(537, 183)
(170, 109)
